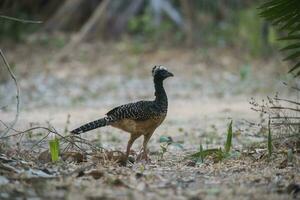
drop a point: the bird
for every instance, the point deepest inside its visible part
(140, 118)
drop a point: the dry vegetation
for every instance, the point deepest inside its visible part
(205, 94)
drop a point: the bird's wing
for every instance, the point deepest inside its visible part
(141, 110)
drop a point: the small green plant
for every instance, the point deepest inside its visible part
(202, 154)
(142, 24)
(217, 153)
(229, 138)
(270, 146)
(290, 156)
(54, 149)
(166, 141)
(245, 71)
(67, 124)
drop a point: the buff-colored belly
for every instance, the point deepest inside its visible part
(139, 127)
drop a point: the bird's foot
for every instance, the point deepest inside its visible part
(126, 159)
(143, 156)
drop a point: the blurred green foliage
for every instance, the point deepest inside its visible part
(241, 28)
(249, 30)
(142, 27)
(215, 23)
(285, 15)
(142, 24)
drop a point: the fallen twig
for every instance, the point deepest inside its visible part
(286, 100)
(40, 127)
(284, 137)
(84, 141)
(293, 87)
(38, 142)
(286, 123)
(285, 108)
(71, 139)
(284, 117)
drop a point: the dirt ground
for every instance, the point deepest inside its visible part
(211, 87)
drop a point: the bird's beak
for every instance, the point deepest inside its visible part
(170, 74)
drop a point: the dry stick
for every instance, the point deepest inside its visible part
(55, 132)
(81, 140)
(286, 123)
(39, 127)
(35, 144)
(81, 169)
(67, 147)
(79, 37)
(84, 141)
(293, 87)
(70, 142)
(10, 71)
(21, 132)
(285, 108)
(286, 100)
(285, 117)
(17, 95)
(289, 136)
(26, 21)
(2, 107)
(258, 110)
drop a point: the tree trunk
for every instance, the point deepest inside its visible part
(95, 24)
(188, 10)
(124, 17)
(71, 15)
(49, 8)
(89, 29)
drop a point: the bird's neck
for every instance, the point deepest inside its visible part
(160, 94)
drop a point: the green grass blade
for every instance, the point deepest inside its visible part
(290, 37)
(229, 138)
(270, 147)
(295, 67)
(285, 14)
(201, 153)
(54, 149)
(290, 156)
(292, 46)
(293, 56)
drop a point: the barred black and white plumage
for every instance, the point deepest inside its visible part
(139, 118)
(92, 125)
(141, 110)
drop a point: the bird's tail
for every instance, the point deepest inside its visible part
(92, 125)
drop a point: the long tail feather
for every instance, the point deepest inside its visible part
(92, 125)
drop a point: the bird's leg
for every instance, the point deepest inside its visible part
(129, 144)
(145, 150)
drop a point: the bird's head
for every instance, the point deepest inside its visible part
(160, 73)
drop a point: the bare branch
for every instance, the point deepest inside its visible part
(17, 95)
(285, 108)
(25, 21)
(284, 117)
(288, 136)
(40, 127)
(293, 87)
(38, 142)
(285, 123)
(286, 100)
